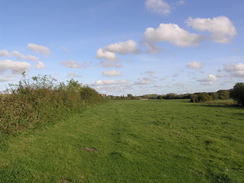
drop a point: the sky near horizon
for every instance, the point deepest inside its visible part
(125, 46)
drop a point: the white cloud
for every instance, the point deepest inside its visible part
(194, 65)
(14, 66)
(236, 70)
(18, 55)
(172, 33)
(151, 48)
(126, 47)
(158, 6)
(71, 64)
(104, 54)
(144, 81)
(111, 73)
(40, 65)
(21, 56)
(209, 80)
(109, 52)
(110, 82)
(114, 89)
(74, 75)
(39, 49)
(4, 53)
(221, 27)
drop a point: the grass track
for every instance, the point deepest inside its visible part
(136, 142)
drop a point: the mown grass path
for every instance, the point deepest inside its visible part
(131, 142)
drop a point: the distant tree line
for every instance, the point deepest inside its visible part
(237, 93)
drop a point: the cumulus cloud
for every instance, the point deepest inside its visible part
(40, 65)
(158, 6)
(236, 70)
(110, 82)
(39, 49)
(109, 52)
(114, 89)
(21, 56)
(126, 47)
(221, 27)
(144, 81)
(194, 65)
(14, 66)
(111, 73)
(71, 64)
(18, 55)
(211, 78)
(173, 34)
(104, 54)
(152, 48)
(4, 53)
(74, 65)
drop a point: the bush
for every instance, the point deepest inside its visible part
(210, 96)
(42, 99)
(223, 94)
(200, 97)
(237, 93)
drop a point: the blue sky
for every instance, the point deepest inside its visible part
(62, 38)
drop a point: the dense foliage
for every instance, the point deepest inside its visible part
(238, 93)
(42, 99)
(204, 97)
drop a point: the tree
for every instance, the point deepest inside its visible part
(237, 93)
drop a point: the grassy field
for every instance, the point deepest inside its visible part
(131, 142)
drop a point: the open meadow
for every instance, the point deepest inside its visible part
(134, 141)
(121, 91)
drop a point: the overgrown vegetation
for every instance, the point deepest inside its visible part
(42, 99)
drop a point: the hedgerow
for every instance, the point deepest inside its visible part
(40, 100)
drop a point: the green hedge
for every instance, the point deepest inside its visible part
(40, 100)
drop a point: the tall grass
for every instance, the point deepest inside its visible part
(42, 99)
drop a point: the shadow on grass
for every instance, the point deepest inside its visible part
(232, 106)
(222, 105)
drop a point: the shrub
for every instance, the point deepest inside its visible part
(204, 97)
(237, 93)
(200, 97)
(223, 94)
(42, 99)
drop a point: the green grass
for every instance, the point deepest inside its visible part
(133, 142)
